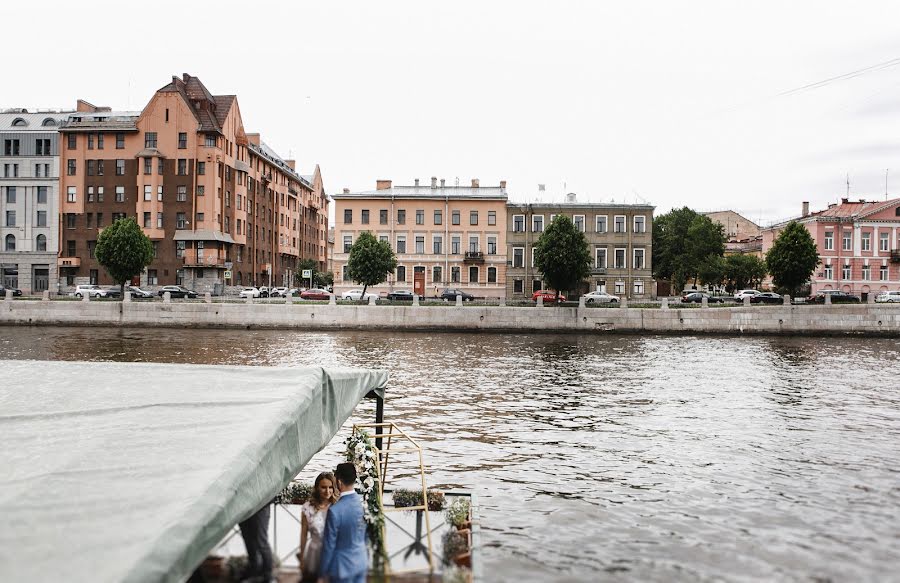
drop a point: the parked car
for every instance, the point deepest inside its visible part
(889, 297)
(547, 295)
(766, 298)
(16, 291)
(138, 293)
(249, 292)
(837, 297)
(113, 292)
(697, 298)
(741, 294)
(263, 291)
(400, 295)
(177, 291)
(278, 292)
(315, 294)
(90, 290)
(356, 295)
(598, 297)
(451, 293)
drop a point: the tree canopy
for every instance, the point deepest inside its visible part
(320, 278)
(123, 250)
(370, 261)
(792, 258)
(562, 255)
(683, 242)
(744, 271)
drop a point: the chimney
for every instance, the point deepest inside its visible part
(417, 182)
(502, 184)
(475, 183)
(382, 184)
(805, 208)
(845, 200)
(292, 164)
(434, 182)
(442, 183)
(85, 107)
(253, 138)
(346, 191)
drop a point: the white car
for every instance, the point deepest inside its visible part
(249, 292)
(746, 293)
(356, 295)
(599, 297)
(888, 297)
(94, 291)
(278, 292)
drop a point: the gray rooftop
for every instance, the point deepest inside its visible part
(32, 122)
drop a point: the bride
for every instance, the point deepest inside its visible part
(313, 525)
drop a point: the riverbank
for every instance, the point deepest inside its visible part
(858, 320)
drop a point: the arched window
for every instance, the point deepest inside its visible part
(10, 243)
(41, 243)
(48, 122)
(19, 122)
(473, 274)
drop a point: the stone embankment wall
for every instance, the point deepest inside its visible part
(871, 319)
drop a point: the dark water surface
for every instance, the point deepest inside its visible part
(614, 457)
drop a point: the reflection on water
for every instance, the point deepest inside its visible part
(614, 457)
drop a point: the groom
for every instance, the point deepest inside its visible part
(344, 553)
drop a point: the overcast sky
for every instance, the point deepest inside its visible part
(673, 103)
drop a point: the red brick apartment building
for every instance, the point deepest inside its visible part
(221, 207)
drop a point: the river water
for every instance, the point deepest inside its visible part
(618, 458)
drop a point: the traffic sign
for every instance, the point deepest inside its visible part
(307, 273)
(227, 275)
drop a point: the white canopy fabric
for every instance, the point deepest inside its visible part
(134, 471)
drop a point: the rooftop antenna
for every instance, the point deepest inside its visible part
(848, 185)
(886, 170)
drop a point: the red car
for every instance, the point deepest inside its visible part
(548, 296)
(315, 294)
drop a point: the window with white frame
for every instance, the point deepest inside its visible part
(437, 244)
(866, 272)
(847, 241)
(537, 223)
(601, 223)
(344, 273)
(473, 244)
(884, 241)
(518, 223)
(829, 272)
(619, 259)
(455, 242)
(640, 226)
(619, 224)
(883, 273)
(437, 274)
(148, 192)
(71, 194)
(866, 241)
(518, 257)
(492, 275)
(473, 274)
(579, 223)
(454, 274)
(401, 273)
(120, 194)
(600, 258)
(620, 287)
(637, 261)
(420, 244)
(638, 287)
(348, 243)
(492, 245)
(401, 243)
(845, 272)
(829, 240)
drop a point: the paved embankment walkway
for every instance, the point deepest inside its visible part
(865, 319)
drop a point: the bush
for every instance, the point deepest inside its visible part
(406, 498)
(458, 512)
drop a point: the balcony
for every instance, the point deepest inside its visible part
(474, 257)
(895, 255)
(204, 258)
(68, 262)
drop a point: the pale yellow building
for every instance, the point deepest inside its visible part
(443, 236)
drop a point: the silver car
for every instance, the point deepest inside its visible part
(599, 297)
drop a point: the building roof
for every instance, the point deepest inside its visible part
(21, 120)
(440, 192)
(272, 156)
(846, 210)
(579, 205)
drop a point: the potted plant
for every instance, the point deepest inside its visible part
(456, 548)
(404, 498)
(459, 514)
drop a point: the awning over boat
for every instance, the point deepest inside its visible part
(134, 471)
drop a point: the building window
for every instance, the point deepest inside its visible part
(638, 259)
(866, 272)
(473, 217)
(847, 241)
(71, 194)
(70, 220)
(10, 194)
(401, 216)
(473, 274)
(401, 244)
(120, 141)
(41, 243)
(492, 275)
(601, 223)
(201, 190)
(473, 244)
(620, 287)
(383, 217)
(348, 216)
(454, 217)
(518, 223)
(72, 141)
(99, 141)
(348, 243)
(579, 223)
(619, 224)
(437, 242)
(99, 220)
(883, 273)
(638, 287)
(42, 195)
(160, 167)
(181, 193)
(42, 147)
(179, 277)
(210, 141)
(401, 273)
(41, 219)
(420, 244)
(492, 245)
(70, 167)
(640, 226)
(148, 166)
(518, 257)
(182, 167)
(91, 246)
(94, 277)
(437, 274)
(149, 139)
(883, 241)
(148, 192)
(867, 242)
(454, 245)
(90, 145)
(829, 272)
(147, 220)
(91, 167)
(182, 140)
(619, 259)
(201, 217)
(364, 216)
(180, 221)
(518, 286)
(10, 244)
(438, 217)
(845, 272)
(537, 223)
(152, 279)
(600, 258)
(201, 168)
(454, 274)
(492, 218)
(420, 217)
(70, 249)
(829, 240)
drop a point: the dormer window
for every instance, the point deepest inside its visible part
(48, 122)
(19, 122)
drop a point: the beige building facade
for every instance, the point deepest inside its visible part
(443, 236)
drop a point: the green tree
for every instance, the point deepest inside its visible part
(711, 270)
(743, 271)
(124, 251)
(682, 241)
(562, 255)
(792, 258)
(370, 261)
(320, 278)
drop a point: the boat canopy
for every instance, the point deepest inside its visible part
(134, 471)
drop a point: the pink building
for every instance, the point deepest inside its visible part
(857, 242)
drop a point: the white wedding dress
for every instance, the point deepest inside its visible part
(315, 528)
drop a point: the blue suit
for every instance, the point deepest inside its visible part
(344, 553)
